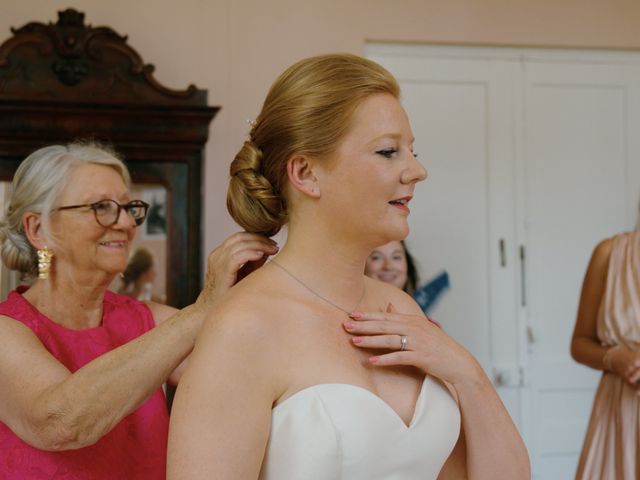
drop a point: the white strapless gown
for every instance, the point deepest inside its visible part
(340, 431)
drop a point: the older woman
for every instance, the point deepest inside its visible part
(81, 367)
(293, 380)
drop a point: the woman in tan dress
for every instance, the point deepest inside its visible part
(607, 337)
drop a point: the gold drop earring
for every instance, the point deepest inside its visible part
(44, 262)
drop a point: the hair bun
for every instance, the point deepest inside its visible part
(15, 250)
(308, 111)
(251, 199)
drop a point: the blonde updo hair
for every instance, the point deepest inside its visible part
(308, 110)
(37, 185)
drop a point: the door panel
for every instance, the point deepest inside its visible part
(461, 115)
(576, 158)
(525, 148)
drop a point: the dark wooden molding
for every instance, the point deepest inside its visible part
(96, 64)
(68, 80)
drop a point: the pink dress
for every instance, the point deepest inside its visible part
(611, 447)
(136, 447)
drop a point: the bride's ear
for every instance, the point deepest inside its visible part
(300, 170)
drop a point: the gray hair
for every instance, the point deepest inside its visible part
(37, 185)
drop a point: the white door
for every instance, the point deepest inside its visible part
(577, 156)
(463, 217)
(533, 158)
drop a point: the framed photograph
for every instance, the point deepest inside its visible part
(155, 226)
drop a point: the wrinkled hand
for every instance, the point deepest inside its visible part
(626, 363)
(428, 347)
(234, 259)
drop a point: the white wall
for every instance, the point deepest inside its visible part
(236, 48)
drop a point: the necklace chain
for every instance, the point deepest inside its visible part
(316, 293)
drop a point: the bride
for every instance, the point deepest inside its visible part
(290, 378)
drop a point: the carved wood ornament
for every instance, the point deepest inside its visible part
(68, 80)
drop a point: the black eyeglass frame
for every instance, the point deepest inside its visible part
(127, 206)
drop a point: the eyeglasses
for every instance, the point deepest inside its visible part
(107, 212)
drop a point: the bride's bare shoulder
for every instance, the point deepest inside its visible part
(242, 336)
(386, 293)
(251, 307)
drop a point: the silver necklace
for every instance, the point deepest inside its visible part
(316, 293)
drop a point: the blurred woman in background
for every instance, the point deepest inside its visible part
(138, 277)
(393, 263)
(607, 338)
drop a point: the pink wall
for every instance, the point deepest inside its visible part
(236, 48)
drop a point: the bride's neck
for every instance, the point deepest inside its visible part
(331, 269)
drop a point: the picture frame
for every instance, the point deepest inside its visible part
(155, 225)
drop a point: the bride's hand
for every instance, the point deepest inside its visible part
(427, 347)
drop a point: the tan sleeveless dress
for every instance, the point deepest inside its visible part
(611, 449)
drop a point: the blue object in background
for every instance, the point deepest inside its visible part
(430, 293)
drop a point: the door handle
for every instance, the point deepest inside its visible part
(531, 338)
(503, 256)
(523, 277)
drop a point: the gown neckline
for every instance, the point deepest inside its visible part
(365, 393)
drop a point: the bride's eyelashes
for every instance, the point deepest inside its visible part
(387, 152)
(392, 152)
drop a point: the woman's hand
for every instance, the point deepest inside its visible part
(234, 259)
(427, 346)
(626, 363)
(492, 447)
